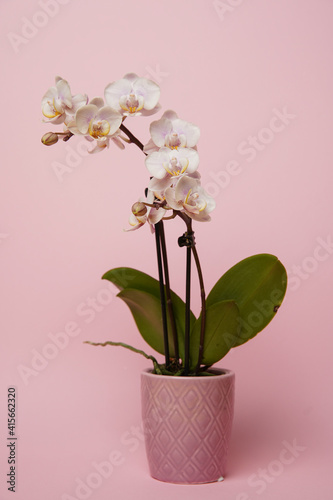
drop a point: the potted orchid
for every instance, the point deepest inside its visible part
(184, 399)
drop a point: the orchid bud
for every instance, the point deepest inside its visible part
(139, 209)
(49, 139)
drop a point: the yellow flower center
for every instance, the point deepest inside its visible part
(49, 110)
(99, 129)
(174, 169)
(131, 104)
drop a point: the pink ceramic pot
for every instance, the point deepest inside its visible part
(187, 425)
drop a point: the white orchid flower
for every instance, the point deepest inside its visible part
(98, 123)
(167, 166)
(190, 197)
(133, 95)
(167, 162)
(173, 133)
(58, 104)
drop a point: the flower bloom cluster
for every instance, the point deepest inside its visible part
(172, 161)
(172, 158)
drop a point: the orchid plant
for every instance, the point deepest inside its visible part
(242, 302)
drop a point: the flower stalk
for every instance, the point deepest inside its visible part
(168, 292)
(162, 296)
(188, 240)
(132, 137)
(203, 308)
(187, 310)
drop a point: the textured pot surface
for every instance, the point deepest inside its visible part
(187, 425)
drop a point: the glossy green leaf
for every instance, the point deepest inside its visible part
(258, 285)
(222, 333)
(128, 279)
(146, 311)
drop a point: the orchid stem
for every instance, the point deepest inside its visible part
(188, 222)
(162, 296)
(168, 291)
(132, 137)
(203, 308)
(67, 136)
(187, 310)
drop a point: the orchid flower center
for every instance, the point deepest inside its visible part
(176, 167)
(194, 200)
(49, 109)
(131, 103)
(99, 128)
(172, 141)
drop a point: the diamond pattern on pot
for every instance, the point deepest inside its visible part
(187, 424)
(191, 399)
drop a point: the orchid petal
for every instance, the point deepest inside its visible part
(172, 200)
(154, 163)
(97, 101)
(58, 105)
(183, 187)
(78, 101)
(149, 198)
(192, 133)
(49, 95)
(118, 142)
(201, 217)
(170, 115)
(83, 117)
(73, 128)
(155, 215)
(97, 149)
(131, 77)
(191, 209)
(192, 156)
(111, 116)
(115, 90)
(149, 112)
(150, 147)
(159, 129)
(149, 90)
(64, 92)
(49, 111)
(135, 222)
(56, 120)
(160, 184)
(194, 175)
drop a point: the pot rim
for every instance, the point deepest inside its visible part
(219, 373)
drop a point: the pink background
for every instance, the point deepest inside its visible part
(226, 72)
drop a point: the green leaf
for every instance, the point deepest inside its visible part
(146, 311)
(222, 333)
(125, 279)
(258, 285)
